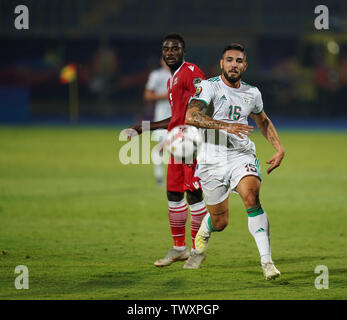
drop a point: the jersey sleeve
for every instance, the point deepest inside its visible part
(152, 81)
(258, 103)
(204, 93)
(193, 77)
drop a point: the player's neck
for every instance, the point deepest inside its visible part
(234, 85)
(172, 71)
(175, 68)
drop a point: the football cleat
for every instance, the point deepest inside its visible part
(172, 256)
(270, 271)
(194, 261)
(201, 241)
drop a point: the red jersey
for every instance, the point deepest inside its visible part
(180, 88)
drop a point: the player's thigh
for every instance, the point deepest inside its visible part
(219, 208)
(191, 181)
(215, 186)
(175, 178)
(192, 184)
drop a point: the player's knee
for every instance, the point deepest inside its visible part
(251, 198)
(174, 196)
(220, 225)
(221, 220)
(194, 196)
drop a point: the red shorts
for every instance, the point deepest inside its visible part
(180, 177)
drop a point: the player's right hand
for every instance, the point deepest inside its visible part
(239, 128)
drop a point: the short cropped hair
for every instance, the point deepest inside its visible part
(235, 46)
(175, 36)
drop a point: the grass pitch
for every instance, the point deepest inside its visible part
(88, 227)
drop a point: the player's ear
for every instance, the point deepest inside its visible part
(221, 64)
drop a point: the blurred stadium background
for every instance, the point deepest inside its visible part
(114, 44)
(88, 227)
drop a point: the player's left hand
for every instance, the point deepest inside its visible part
(133, 131)
(275, 161)
(238, 128)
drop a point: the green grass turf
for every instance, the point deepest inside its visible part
(88, 227)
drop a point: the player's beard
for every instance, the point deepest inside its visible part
(230, 79)
(173, 67)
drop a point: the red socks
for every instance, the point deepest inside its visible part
(178, 213)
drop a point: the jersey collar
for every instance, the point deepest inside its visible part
(226, 86)
(179, 68)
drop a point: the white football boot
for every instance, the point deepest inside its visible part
(172, 256)
(201, 240)
(270, 271)
(194, 261)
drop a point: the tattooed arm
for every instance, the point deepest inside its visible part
(196, 117)
(268, 130)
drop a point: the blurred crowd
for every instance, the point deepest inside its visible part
(298, 77)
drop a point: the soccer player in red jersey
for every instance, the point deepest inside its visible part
(180, 177)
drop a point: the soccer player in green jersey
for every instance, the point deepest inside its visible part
(232, 166)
